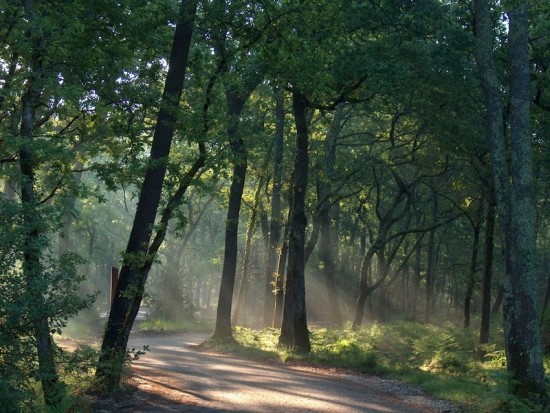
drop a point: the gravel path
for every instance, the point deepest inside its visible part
(174, 377)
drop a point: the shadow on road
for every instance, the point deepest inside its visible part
(154, 400)
(187, 380)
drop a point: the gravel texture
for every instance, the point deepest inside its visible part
(174, 377)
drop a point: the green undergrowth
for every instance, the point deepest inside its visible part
(446, 361)
(160, 325)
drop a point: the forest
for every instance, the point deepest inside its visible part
(280, 165)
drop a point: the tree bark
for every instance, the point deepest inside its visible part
(227, 285)
(364, 288)
(280, 281)
(514, 202)
(417, 277)
(276, 213)
(521, 319)
(237, 92)
(295, 284)
(387, 216)
(488, 266)
(473, 267)
(240, 304)
(326, 247)
(430, 270)
(131, 283)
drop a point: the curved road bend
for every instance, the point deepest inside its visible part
(173, 377)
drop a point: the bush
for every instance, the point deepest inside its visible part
(49, 293)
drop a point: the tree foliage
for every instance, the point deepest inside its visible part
(395, 219)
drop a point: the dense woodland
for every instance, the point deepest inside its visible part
(269, 164)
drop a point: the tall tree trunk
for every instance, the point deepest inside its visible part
(521, 319)
(417, 276)
(473, 267)
(241, 296)
(547, 293)
(295, 284)
(430, 270)
(381, 269)
(283, 306)
(131, 283)
(514, 202)
(237, 92)
(471, 279)
(488, 266)
(406, 290)
(364, 289)
(326, 255)
(276, 212)
(326, 247)
(225, 300)
(279, 281)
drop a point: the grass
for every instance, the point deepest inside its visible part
(443, 360)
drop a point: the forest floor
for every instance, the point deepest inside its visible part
(174, 376)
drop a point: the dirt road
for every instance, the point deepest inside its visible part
(174, 377)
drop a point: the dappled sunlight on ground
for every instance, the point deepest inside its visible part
(217, 382)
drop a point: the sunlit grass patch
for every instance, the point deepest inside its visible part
(344, 348)
(446, 361)
(264, 339)
(468, 392)
(248, 343)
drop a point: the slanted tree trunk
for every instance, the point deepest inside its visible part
(295, 284)
(514, 200)
(276, 213)
(386, 221)
(131, 283)
(364, 288)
